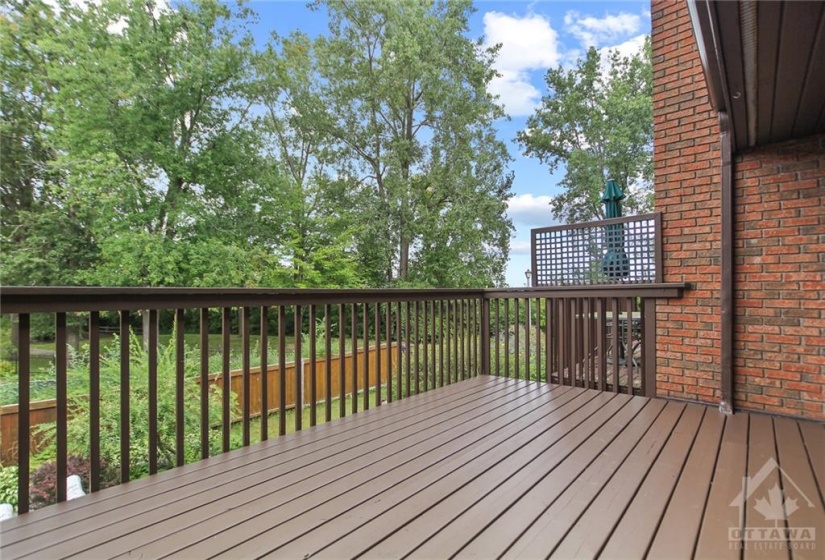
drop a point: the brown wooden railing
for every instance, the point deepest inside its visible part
(602, 337)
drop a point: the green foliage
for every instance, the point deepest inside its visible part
(597, 120)
(79, 435)
(8, 485)
(144, 145)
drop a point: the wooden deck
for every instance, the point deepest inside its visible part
(482, 468)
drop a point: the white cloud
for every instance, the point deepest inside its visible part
(527, 43)
(530, 210)
(593, 31)
(627, 48)
(520, 247)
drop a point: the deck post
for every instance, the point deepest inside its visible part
(485, 335)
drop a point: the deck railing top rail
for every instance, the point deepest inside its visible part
(25, 299)
(625, 250)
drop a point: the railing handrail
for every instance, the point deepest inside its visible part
(29, 299)
(597, 223)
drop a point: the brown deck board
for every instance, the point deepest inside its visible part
(266, 512)
(679, 527)
(635, 532)
(719, 517)
(797, 478)
(761, 452)
(205, 508)
(357, 541)
(592, 529)
(629, 423)
(286, 448)
(489, 493)
(485, 467)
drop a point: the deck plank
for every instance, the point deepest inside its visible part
(288, 447)
(452, 536)
(806, 514)
(381, 521)
(761, 470)
(731, 465)
(635, 532)
(679, 528)
(617, 439)
(242, 497)
(486, 467)
(270, 509)
(586, 538)
(323, 454)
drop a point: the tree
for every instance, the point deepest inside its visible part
(315, 226)
(407, 105)
(597, 120)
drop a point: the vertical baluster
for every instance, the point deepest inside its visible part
(527, 349)
(342, 364)
(628, 354)
(61, 363)
(434, 356)
(354, 357)
(327, 364)
(399, 349)
(648, 344)
(24, 411)
(561, 333)
(246, 372)
(464, 339)
(548, 344)
(416, 343)
(616, 334)
(281, 370)
(477, 335)
(507, 338)
(313, 369)
(517, 322)
(94, 400)
(497, 331)
(388, 335)
(124, 396)
(426, 348)
(204, 336)
(264, 373)
(538, 339)
(365, 363)
(440, 348)
(587, 372)
(407, 343)
(601, 333)
(456, 343)
(180, 357)
(298, 361)
(473, 337)
(576, 350)
(378, 349)
(153, 391)
(226, 330)
(448, 342)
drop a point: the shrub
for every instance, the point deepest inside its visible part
(43, 487)
(78, 429)
(8, 485)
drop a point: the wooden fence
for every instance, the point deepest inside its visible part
(45, 411)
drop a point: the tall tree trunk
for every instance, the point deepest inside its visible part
(404, 257)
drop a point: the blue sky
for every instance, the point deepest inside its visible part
(535, 36)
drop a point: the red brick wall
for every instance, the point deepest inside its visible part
(779, 244)
(780, 278)
(687, 186)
